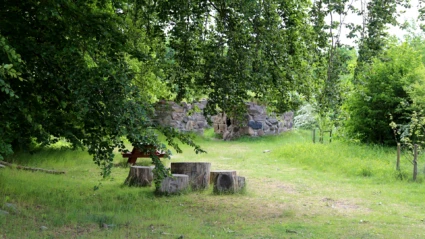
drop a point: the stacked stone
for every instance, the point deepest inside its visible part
(220, 125)
(184, 117)
(258, 123)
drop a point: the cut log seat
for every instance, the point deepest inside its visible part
(199, 173)
(139, 176)
(175, 184)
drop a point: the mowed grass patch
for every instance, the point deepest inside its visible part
(295, 189)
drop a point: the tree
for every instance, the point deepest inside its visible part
(65, 73)
(227, 50)
(387, 90)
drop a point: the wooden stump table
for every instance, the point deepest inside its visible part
(139, 176)
(198, 172)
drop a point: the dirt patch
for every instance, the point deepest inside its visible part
(287, 188)
(342, 205)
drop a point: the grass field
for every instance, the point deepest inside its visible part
(297, 190)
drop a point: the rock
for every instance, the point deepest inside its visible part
(255, 125)
(199, 117)
(268, 123)
(213, 118)
(177, 108)
(4, 212)
(216, 129)
(43, 228)
(177, 116)
(254, 109)
(200, 106)
(245, 130)
(252, 132)
(266, 128)
(201, 124)
(2, 166)
(273, 121)
(204, 103)
(174, 123)
(260, 132)
(223, 128)
(260, 117)
(11, 206)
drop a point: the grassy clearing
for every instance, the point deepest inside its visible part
(297, 190)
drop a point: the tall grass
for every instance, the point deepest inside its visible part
(296, 189)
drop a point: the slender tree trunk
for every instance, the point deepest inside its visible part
(415, 162)
(398, 157)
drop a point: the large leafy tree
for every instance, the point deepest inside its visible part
(231, 51)
(378, 92)
(390, 88)
(88, 71)
(65, 73)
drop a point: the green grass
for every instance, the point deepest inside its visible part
(297, 190)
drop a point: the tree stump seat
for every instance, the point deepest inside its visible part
(175, 184)
(145, 152)
(226, 181)
(198, 172)
(139, 176)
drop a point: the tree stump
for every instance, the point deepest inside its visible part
(174, 184)
(214, 174)
(199, 173)
(241, 183)
(226, 182)
(139, 176)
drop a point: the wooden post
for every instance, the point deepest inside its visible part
(330, 136)
(139, 176)
(398, 157)
(320, 136)
(314, 136)
(199, 173)
(415, 162)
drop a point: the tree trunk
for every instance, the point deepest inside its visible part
(139, 176)
(199, 173)
(175, 184)
(398, 157)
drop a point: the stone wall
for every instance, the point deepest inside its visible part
(189, 118)
(258, 123)
(184, 117)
